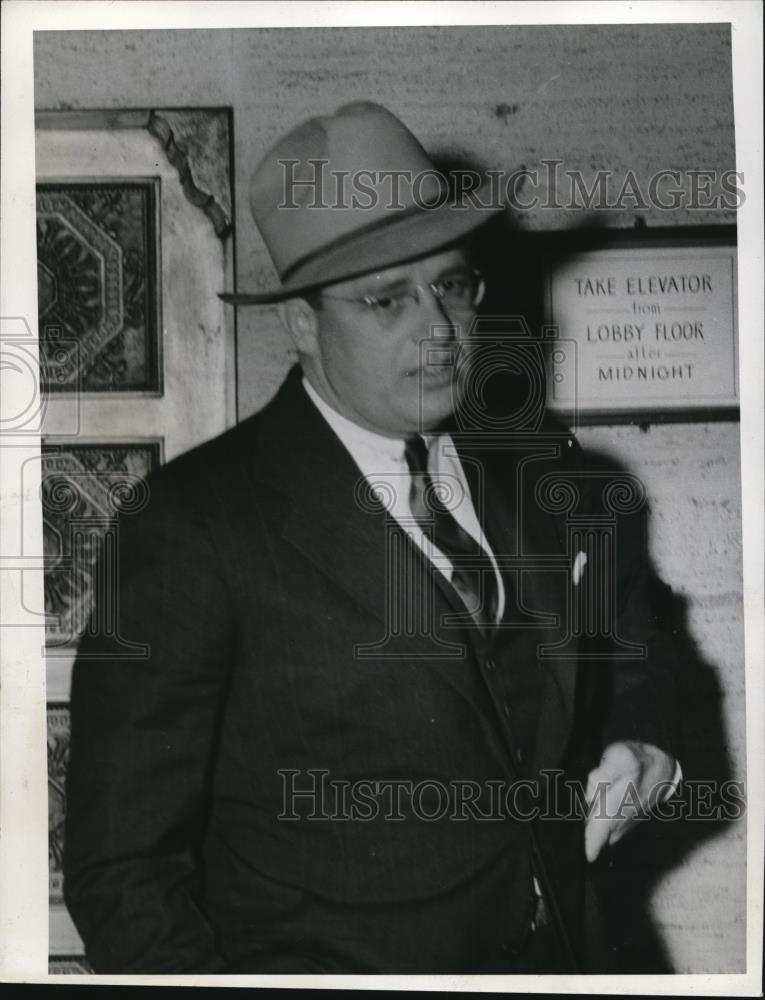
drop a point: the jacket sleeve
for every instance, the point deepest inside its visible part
(147, 690)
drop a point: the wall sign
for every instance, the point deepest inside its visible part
(644, 331)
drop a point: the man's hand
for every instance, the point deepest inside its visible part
(630, 779)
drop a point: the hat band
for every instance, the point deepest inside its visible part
(347, 239)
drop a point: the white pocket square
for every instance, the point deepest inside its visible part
(579, 563)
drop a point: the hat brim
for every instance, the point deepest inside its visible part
(405, 236)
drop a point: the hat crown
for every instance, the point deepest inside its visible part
(333, 176)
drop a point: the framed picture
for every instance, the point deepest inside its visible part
(643, 324)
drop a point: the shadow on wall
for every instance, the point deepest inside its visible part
(627, 875)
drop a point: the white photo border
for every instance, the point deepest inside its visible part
(23, 779)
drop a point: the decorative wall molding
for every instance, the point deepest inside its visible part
(196, 143)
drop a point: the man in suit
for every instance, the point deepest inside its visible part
(363, 697)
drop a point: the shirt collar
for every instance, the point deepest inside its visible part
(373, 452)
(353, 435)
(356, 438)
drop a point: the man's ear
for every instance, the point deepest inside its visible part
(303, 324)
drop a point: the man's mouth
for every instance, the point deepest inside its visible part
(431, 374)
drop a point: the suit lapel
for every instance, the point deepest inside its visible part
(332, 520)
(328, 516)
(546, 589)
(502, 485)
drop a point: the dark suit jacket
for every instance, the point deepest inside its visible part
(265, 588)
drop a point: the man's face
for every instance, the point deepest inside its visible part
(368, 363)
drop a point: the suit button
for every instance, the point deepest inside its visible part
(490, 664)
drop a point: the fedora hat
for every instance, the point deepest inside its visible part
(350, 193)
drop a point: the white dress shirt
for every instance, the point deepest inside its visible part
(382, 462)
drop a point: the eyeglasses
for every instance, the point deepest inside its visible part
(459, 291)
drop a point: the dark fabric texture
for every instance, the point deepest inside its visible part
(265, 592)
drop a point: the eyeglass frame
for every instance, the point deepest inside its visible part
(413, 293)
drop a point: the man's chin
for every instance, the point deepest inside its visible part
(436, 404)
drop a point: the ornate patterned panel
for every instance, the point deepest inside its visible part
(84, 487)
(58, 757)
(97, 248)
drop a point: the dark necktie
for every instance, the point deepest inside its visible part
(473, 570)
